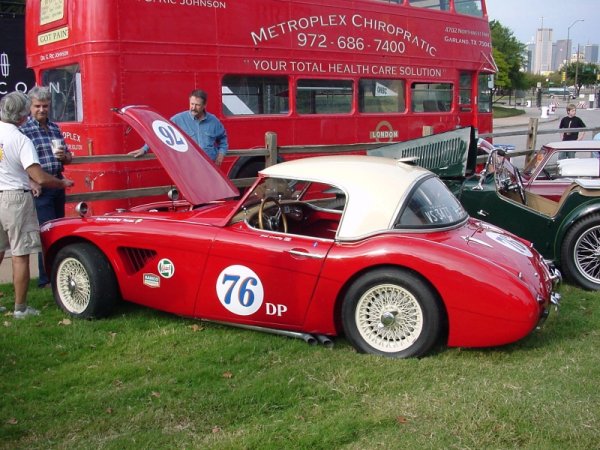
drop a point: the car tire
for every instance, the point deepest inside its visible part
(580, 253)
(84, 282)
(251, 169)
(392, 312)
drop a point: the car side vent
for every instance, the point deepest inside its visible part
(135, 259)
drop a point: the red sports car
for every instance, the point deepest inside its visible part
(363, 246)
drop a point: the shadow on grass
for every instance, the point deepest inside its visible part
(579, 316)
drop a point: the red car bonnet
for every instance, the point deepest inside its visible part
(195, 175)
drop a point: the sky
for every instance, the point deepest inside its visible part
(524, 17)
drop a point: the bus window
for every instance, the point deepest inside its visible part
(249, 95)
(431, 97)
(324, 96)
(65, 87)
(469, 7)
(442, 5)
(381, 96)
(465, 91)
(485, 84)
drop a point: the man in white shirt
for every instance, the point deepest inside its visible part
(19, 228)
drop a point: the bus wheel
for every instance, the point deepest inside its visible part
(84, 284)
(251, 169)
(391, 312)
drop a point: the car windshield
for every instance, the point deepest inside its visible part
(534, 162)
(575, 163)
(430, 204)
(282, 189)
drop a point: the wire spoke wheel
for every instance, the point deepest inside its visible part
(587, 254)
(84, 283)
(392, 312)
(580, 252)
(73, 285)
(389, 318)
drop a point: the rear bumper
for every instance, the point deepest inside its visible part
(554, 300)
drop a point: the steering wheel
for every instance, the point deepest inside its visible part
(501, 175)
(506, 181)
(520, 189)
(275, 219)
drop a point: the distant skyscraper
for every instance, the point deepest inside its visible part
(528, 57)
(591, 53)
(542, 58)
(560, 54)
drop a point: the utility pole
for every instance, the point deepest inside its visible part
(569, 51)
(577, 70)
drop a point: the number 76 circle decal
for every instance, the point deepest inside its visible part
(240, 290)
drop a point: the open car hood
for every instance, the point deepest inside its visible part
(192, 171)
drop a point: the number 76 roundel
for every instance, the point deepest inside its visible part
(240, 290)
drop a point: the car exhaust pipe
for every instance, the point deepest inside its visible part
(324, 340)
(306, 337)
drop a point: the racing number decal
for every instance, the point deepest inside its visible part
(240, 290)
(510, 243)
(170, 136)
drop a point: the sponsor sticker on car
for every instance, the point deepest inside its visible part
(166, 268)
(151, 280)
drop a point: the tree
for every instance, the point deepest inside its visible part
(586, 74)
(501, 79)
(507, 47)
(12, 7)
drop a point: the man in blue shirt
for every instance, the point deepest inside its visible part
(53, 155)
(200, 125)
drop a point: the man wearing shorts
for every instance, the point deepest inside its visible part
(19, 228)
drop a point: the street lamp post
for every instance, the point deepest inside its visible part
(569, 51)
(577, 69)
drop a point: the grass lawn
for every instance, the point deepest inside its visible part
(501, 112)
(144, 379)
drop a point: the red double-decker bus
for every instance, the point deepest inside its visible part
(314, 72)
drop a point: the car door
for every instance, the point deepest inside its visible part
(261, 277)
(488, 205)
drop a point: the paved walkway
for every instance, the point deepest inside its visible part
(523, 119)
(6, 268)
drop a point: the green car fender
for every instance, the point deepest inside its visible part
(584, 210)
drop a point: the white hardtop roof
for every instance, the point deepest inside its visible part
(375, 187)
(574, 145)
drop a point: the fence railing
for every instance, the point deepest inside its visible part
(271, 152)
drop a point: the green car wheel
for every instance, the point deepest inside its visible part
(580, 252)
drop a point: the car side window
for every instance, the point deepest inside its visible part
(429, 205)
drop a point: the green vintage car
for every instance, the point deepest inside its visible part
(566, 232)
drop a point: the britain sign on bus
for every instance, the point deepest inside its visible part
(322, 72)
